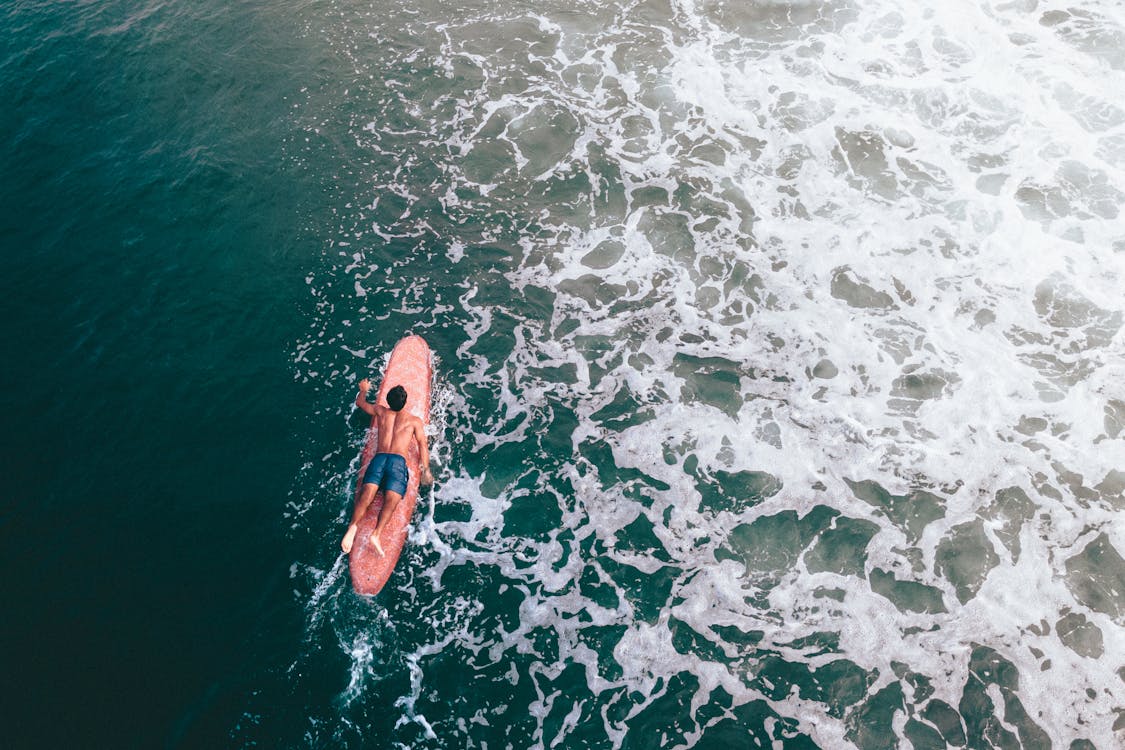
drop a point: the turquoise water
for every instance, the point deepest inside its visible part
(779, 393)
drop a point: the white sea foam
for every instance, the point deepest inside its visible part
(868, 253)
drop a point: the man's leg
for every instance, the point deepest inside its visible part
(366, 495)
(390, 502)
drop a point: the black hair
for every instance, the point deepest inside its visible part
(396, 398)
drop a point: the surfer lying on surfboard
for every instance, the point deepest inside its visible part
(388, 468)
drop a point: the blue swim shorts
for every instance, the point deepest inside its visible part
(388, 470)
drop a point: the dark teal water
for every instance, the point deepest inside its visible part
(778, 366)
(154, 236)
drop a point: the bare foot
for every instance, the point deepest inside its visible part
(375, 541)
(349, 537)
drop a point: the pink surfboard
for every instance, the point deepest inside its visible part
(409, 367)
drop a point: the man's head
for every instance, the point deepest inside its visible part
(396, 398)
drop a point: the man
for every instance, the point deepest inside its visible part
(388, 467)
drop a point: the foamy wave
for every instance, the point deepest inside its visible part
(784, 353)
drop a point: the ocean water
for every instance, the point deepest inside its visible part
(780, 373)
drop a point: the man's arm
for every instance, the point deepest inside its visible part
(424, 452)
(361, 397)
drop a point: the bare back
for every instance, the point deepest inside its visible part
(396, 429)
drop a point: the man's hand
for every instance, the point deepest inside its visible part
(427, 477)
(361, 401)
